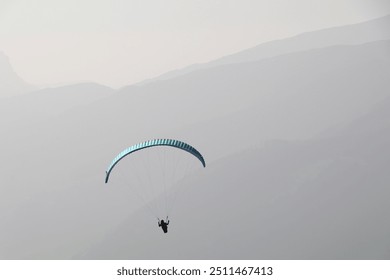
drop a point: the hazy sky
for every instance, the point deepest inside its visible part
(119, 42)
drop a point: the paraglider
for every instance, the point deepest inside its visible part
(160, 167)
(163, 225)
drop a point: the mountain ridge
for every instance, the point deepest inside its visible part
(10, 83)
(358, 33)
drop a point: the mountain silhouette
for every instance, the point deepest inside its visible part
(354, 34)
(10, 83)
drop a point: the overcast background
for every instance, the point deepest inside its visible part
(121, 42)
(289, 104)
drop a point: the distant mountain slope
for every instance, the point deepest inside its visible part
(354, 34)
(318, 199)
(10, 83)
(292, 96)
(53, 189)
(49, 102)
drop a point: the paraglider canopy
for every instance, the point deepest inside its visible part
(156, 142)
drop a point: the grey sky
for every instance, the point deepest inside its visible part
(120, 42)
